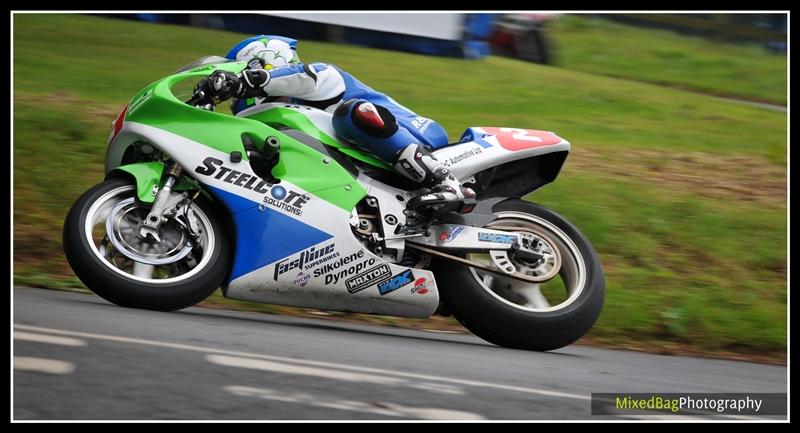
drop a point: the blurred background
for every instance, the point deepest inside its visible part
(678, 124)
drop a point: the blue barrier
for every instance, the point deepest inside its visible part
(472, 44)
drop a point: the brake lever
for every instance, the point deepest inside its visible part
(196, 98)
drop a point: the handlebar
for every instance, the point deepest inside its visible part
(196, 98)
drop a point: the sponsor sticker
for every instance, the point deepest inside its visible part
(301, 279)
(497, 238)
(421, 123)
(307, 259)
(477, 150)
(297, 107)
(203, 68)
(274, 195)
(396, 282)
(282, 198)
(367, 278)
(473, 135)
(420, 286)
(345, 266)
(450, 234)
(141, 100)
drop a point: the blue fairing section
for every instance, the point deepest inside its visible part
(264, 237)
(233, 202)
(472, 135)
(232, 53)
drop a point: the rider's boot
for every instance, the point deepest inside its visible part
(441, 193)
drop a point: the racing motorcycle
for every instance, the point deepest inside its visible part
(271, 206)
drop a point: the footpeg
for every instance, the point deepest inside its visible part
(415, 224)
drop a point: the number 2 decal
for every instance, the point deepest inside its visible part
(518, 139)
(521, 134)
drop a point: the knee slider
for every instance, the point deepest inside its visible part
(364, 121)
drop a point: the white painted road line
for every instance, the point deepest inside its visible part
(49, 339)
(375, 408)
(326, 365)
(330, 373)
(43, 365)
(279, 367)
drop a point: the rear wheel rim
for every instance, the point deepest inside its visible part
(542, 297)
(179, 259)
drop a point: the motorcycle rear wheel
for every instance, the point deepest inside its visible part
(516, 314)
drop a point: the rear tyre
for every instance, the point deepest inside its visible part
(516, 314)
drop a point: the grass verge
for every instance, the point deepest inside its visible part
(598, 46)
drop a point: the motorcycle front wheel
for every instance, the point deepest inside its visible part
(518, 314)
(103, 246)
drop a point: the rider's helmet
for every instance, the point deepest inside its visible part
(271, 51)
(267, 51)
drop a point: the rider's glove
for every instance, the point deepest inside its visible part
(221, 85)
(256, 63)
(253, 83)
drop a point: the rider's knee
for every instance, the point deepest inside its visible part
(373, 120)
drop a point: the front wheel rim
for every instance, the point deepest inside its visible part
(571, 277)
(166, 271)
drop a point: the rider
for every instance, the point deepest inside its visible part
(361, 115)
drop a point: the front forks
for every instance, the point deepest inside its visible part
(164, 200)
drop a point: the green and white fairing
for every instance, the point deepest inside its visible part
(273, 207)
(294, 239)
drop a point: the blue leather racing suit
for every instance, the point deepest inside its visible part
(327, 87)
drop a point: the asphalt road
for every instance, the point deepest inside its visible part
(78, 357)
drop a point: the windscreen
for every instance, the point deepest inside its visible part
(202, 61)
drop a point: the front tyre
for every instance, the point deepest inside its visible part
(517, 314)
(102, 247)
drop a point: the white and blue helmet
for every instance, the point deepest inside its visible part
(273, 51)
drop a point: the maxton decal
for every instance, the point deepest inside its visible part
(372, 276)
